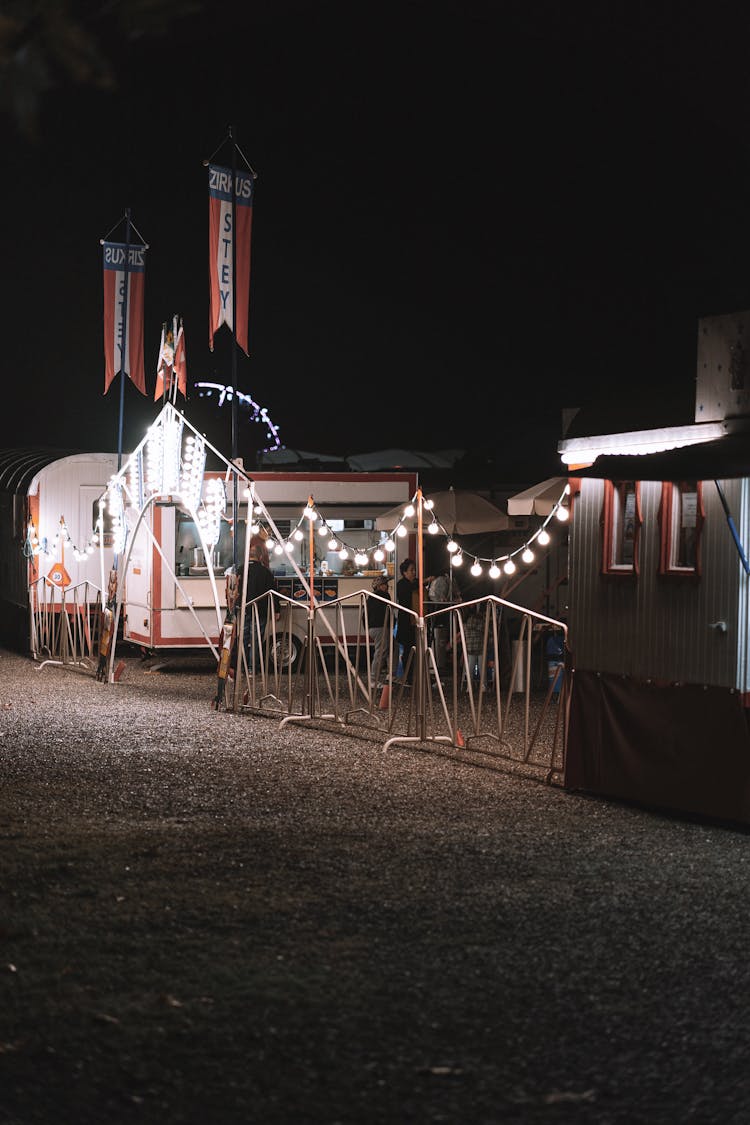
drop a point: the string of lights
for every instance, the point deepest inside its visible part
(169, 462)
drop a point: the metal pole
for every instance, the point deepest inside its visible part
(124, 339)
(235, 344)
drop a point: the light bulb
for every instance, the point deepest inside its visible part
(562, 514)
(510, 567)
(543, 538)
(457, 559)
(494, 571)
(528, 556)
(433, 528)
(476, 569)
(451, 546)
(409, 510)
(401, 531)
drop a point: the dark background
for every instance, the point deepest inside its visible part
(468, 216)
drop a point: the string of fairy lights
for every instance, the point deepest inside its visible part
(172, 462)
(379, 552)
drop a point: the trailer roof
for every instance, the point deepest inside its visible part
(18, 467)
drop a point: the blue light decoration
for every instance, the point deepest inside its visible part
(258, 413)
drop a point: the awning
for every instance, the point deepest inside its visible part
(723, 459)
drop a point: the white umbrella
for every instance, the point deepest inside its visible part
(459, 511)
(539, 500)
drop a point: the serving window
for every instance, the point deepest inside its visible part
(681, 518)
(621, 527)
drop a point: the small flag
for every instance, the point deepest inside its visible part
(171, 368)
(165, 363)
(180, 361)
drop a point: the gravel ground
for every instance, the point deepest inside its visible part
(206, 919)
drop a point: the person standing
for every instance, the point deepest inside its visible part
(474, 639)
(260, 581)
(407, 596)
(378, 621)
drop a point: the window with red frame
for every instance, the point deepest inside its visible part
(681, 517)
(621, 521)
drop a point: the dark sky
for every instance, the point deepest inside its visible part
(468, 216)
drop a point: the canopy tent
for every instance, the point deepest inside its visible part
(539, 500)
(460, 511)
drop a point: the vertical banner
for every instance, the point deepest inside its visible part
(227, 266)
(123, 299)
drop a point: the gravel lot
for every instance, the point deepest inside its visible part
(206, 919)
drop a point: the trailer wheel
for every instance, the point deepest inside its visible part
(288, 652)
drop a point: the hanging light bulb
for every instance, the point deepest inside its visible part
(510, 567)
(298, 535)
(457, 559)
(528, 556)
(309, 513)
(429, 505)
(389, 544)
(333, 544)
(378, 554)
(451, 546)
(343, 553)
(476, 569)
(494, 571)
(409, 510)
(543, 538)
(278, 549)
(401, 531)
(433, 528)
(562, 513)
(323, 530)
(289, 546)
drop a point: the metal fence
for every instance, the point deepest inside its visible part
(64, 624)
(485, 696)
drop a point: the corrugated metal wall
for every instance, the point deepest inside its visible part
(655, 628)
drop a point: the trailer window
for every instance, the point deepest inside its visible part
(681, 517)
(621, 527)
(107, 535)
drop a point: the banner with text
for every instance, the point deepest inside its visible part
(228, 267)
(124, 272)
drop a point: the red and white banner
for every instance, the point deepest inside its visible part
(124, 272)
(228, 267)
(172, 363)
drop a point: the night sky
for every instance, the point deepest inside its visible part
(468, 216)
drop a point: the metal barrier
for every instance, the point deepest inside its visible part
(331, 682)
(64, 623)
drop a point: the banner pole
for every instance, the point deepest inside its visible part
(234, 330)
(124, 339)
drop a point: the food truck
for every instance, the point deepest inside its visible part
(174, 593)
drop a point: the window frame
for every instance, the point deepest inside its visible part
(668, 568)
(611, 508)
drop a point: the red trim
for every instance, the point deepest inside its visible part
(664, 518)
(608, 568)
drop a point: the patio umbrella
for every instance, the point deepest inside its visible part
(539, 500)
(460, 511)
